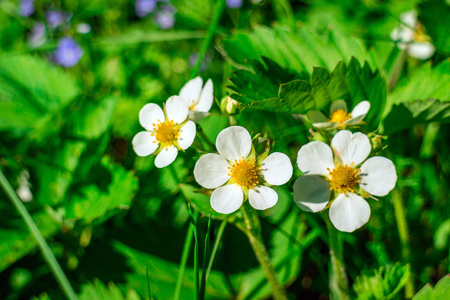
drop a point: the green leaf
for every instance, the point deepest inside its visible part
(384, 284)
(442, 235)
(93, 203)
(434, 16)
(163, 276)
(98, 291)
(31, 91)
(440, 291)
(199, 201)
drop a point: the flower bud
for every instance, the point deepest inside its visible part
(229, 105)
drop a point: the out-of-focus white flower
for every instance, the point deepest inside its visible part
(167, 131)
(411, 36)
(344, 178)
(236, 173)
(339, 118)
(23, 191)
(198, 97)
(83, 28)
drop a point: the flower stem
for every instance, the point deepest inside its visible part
(253, 231)
(338, 276)
(46, 252)
(404, 237)
(207, 41)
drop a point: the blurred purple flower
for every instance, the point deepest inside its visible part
(234, 3)
(37, 37)
(68, 53)
(205, 63)
(55, 18)
(165, 17)
(144, 7)
(26, 8)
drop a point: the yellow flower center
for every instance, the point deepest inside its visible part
(420, 35)
(166, 133)
(343, 178)
(340, 116)
(244, 173)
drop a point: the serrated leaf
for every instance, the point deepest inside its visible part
(440, 291)
(96, 290)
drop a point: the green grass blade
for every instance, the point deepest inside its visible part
(216, 246)
(205, 254)
(46, 252)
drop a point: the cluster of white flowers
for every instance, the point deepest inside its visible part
(339, 177)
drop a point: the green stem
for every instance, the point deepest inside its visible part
(46, 252)
(253, 232)
(184, 258)
(216, 246)
(404, 237)
(207, 41)
(338, 275)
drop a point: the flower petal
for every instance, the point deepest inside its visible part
(362, 108)
(351, 148)
(227, 199)
(349, 212)
(315, 158)
(316, 116)
(196, 116)
(191, 90)
(338, 104)
(187, 135)
(144, 143)
(211, 171)
(177, 109)
(378, 176)
(206, 97)
(166, 156)
(262, 197)
(276, 169)
(326, 125)
(234, 143)
(150, 114)
(311, 193)
(421, 50)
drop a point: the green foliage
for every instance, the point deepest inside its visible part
(98, 291)
(442, 236)
(434, 16)
(386, 283)
(440, 291)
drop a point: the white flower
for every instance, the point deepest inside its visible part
(339, 118)
(344, 176)
(24, 191)
(199, 100)
(411, 36)
(166, 131)
(236, 172)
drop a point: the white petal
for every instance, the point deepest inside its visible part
(196, 116)
(177, 109)
(378, 176)
(206, 97)
(315, 158)
(338, 104)
(234, 143)
(326, 125)
(358, 113)
(191, 90)
(349, 212)
(409, 18)
(351, 148)
(211, 171)
(362, 108)
(187, 135)
(421, 50)
(227, 199)
(262, 197)
(166, 156)
(144, 143)
(316, 116)
(276, 169)
(311, 193)
(150, 114)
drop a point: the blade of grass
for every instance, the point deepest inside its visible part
(194, 217)
(205, 254)
(216, 246)
(46, 252)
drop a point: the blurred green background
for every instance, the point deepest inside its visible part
(117, 224)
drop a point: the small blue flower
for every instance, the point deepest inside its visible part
(55, 18)
(165, 17)
(37, 37)
(144, 7)
(68, 53)
(234, 3)
(26, 8)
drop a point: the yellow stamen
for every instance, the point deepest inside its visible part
(340, 116)
(343, 178)
(244, 173)
(166, 133)
(420, 35)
